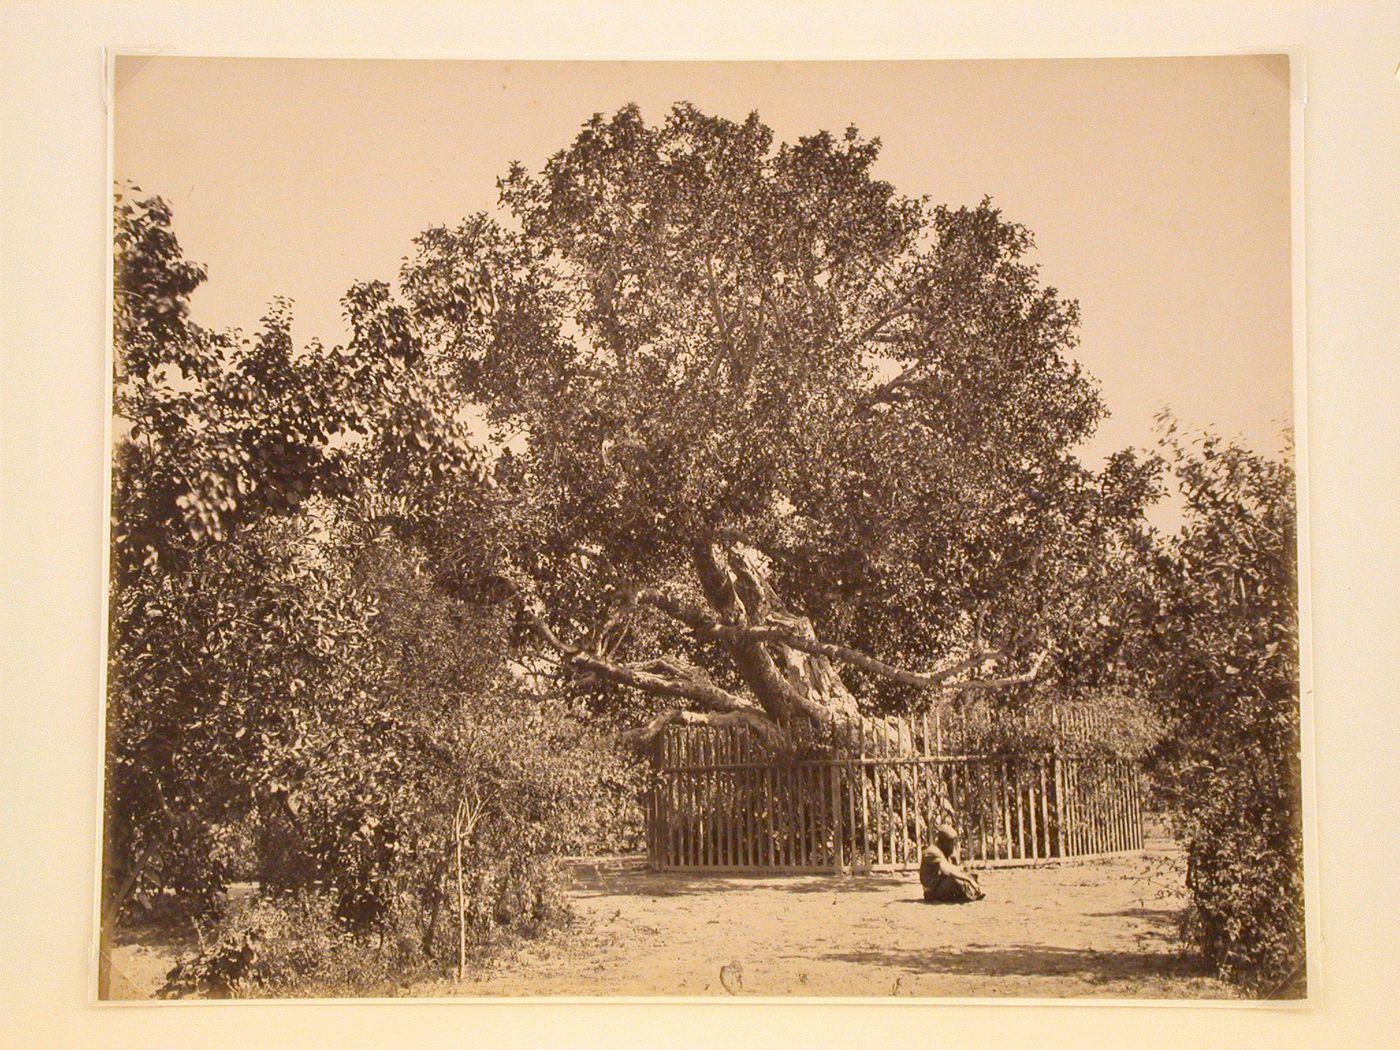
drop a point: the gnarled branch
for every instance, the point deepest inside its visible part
(1000, 683)
(763, 727)
(665, 676)
(706, 626)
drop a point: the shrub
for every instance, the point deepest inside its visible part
(292, 944)
(1226, 651)
(1108, 724)
(331, 726)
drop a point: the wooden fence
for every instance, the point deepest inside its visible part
(866, 798)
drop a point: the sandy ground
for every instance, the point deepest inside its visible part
(1099, 929)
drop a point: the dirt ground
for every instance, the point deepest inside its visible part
(1101, 929)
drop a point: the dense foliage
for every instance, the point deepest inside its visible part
(293, 700)
(1225, 650)
(745, 384)
(703, 427)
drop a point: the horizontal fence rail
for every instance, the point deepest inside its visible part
(868, 796)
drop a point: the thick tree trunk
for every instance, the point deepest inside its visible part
(795, 686)
(790, 684)
(790, 680)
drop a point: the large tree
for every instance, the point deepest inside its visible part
(777, 443)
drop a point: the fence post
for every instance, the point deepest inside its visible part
(837, 824)
(1060, 811)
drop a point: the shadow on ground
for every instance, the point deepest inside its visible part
(1025, 960)
(593, 879)
(1161, 920)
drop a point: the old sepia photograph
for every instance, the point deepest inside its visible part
(788, 530)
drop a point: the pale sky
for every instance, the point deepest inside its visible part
(1157, 189)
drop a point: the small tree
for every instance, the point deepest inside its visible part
(216, 436)
(290, 696)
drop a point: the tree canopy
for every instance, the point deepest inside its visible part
(760, 412)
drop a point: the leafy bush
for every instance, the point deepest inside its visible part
(298, 696)
(290, 944)
(1226, 644)
(1108, 724)
(415, 787)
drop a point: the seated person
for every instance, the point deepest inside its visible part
(939, 872)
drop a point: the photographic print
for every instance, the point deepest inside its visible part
(651, 529)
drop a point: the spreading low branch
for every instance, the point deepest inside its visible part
(1017, 679)
(665, 676)
(758, 723)
(706, 626)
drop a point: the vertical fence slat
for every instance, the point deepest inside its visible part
(822, 786)
(1081, 810)
(775, 822)
(705, 787)
(852, 771)
(1081, 845)
(726, 790)
(687, 792)
(887, 803)
(1071, 844)
(1084, 814)
(920, 772)
(678, 808)
(683, 813)
(713, 792)
(1124, 809)
(1099, 798)
(906, 772)
(1100, 807)
(1139, 832)
(716, 786)
(1045, 846)
(804, 816)
(702, 802)
(877, 799)
(1120, 807)
(750, 800)
(789, 821)
(1019, 788)
(1008, 821)
(721, 797)
(1028, 782)
(1115, 809)
(798, 818)
(983, 774)
(735, 813)
(692, 800)
(838, 815)
(864, 821)
(687, 802)
(1125, 805)
(692, 803)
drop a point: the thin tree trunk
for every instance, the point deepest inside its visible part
(461, 897)
(111, 910)
(463, 825)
